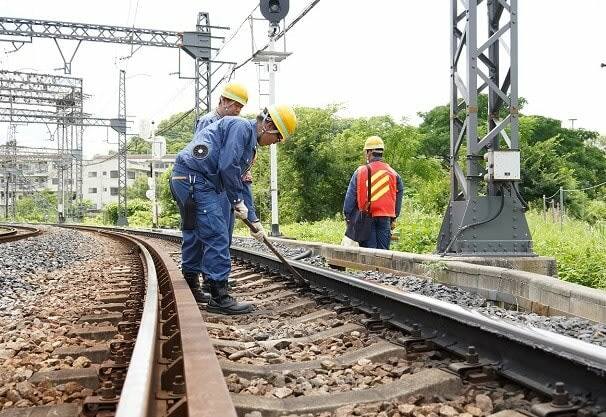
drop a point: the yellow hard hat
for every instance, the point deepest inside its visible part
(236, 92)
(374, 142)
(284, 118)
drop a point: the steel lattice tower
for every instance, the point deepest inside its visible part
(485, 215)
(122, 207)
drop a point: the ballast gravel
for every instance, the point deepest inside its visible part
(48, 283)
(575, 327)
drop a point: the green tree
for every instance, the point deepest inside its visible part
(138, 146)
(178, 131)
(39, 207)
(169, 216)
(138, 188)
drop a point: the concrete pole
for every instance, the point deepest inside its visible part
(273, 150)
(561, 208)
(544, 208)
(153, 174)
(8, 176)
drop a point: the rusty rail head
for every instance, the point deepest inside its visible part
(13, 234)
(196, 380)
(135, 398)
(206, 392)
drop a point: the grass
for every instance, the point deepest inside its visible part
(579, 248)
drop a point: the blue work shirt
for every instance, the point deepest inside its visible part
(223, 150)
(351, 197)
(207, 119)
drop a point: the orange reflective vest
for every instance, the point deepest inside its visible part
(383, 189)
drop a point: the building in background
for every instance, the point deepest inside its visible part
(99, 182)
(100, 176)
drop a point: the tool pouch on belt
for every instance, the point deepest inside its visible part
(189, 208)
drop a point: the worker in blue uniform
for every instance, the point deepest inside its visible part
(213, 164)
(233, 98)
(385, 191)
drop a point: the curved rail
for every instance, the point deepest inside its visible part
(14, 233)
(7, 231)
(532, 357)
(173, 361)
(137, 389)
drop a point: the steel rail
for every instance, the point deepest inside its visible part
(532, 357)
(135, 398)
(529, 356)
(14, 235)
(206, 394)
(7, 231)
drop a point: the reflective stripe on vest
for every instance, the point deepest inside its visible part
(383, 189)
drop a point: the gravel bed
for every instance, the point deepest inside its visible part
(575, 327)
(329, 378)
(569, 326)
(424, 286)
(55, 248)
(472, 402)
(285, 250)
(44, 306)
(287, 351)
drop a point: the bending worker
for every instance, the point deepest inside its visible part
(213, 164)
(233, 98)
(386, 191)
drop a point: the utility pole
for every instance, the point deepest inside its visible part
(561, 209)
(572, 123)
(274, 11)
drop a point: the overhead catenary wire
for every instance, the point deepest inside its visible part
(235, 33)
(159, 132)
(282, 33)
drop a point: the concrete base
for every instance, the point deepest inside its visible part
(87, 377)
(61, 410)
(542, 265)
(493, 278)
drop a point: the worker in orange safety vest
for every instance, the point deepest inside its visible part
(386, 191)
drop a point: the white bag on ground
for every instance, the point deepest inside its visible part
(347, 242)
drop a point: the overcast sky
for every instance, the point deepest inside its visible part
(374, 57)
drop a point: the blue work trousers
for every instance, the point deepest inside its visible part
(380, 234)
(206, 248)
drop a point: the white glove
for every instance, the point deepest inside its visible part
(260, 233)
(240, 210)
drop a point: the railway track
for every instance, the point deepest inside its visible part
(13, 233)
(330, 345)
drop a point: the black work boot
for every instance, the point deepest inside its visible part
(194, 284)
(223, 303)
(206, 285)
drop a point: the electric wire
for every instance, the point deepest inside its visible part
(307, 9)
(235, 33)
(576, 189)
(159, 132)
(586, 188)
(462, 229)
